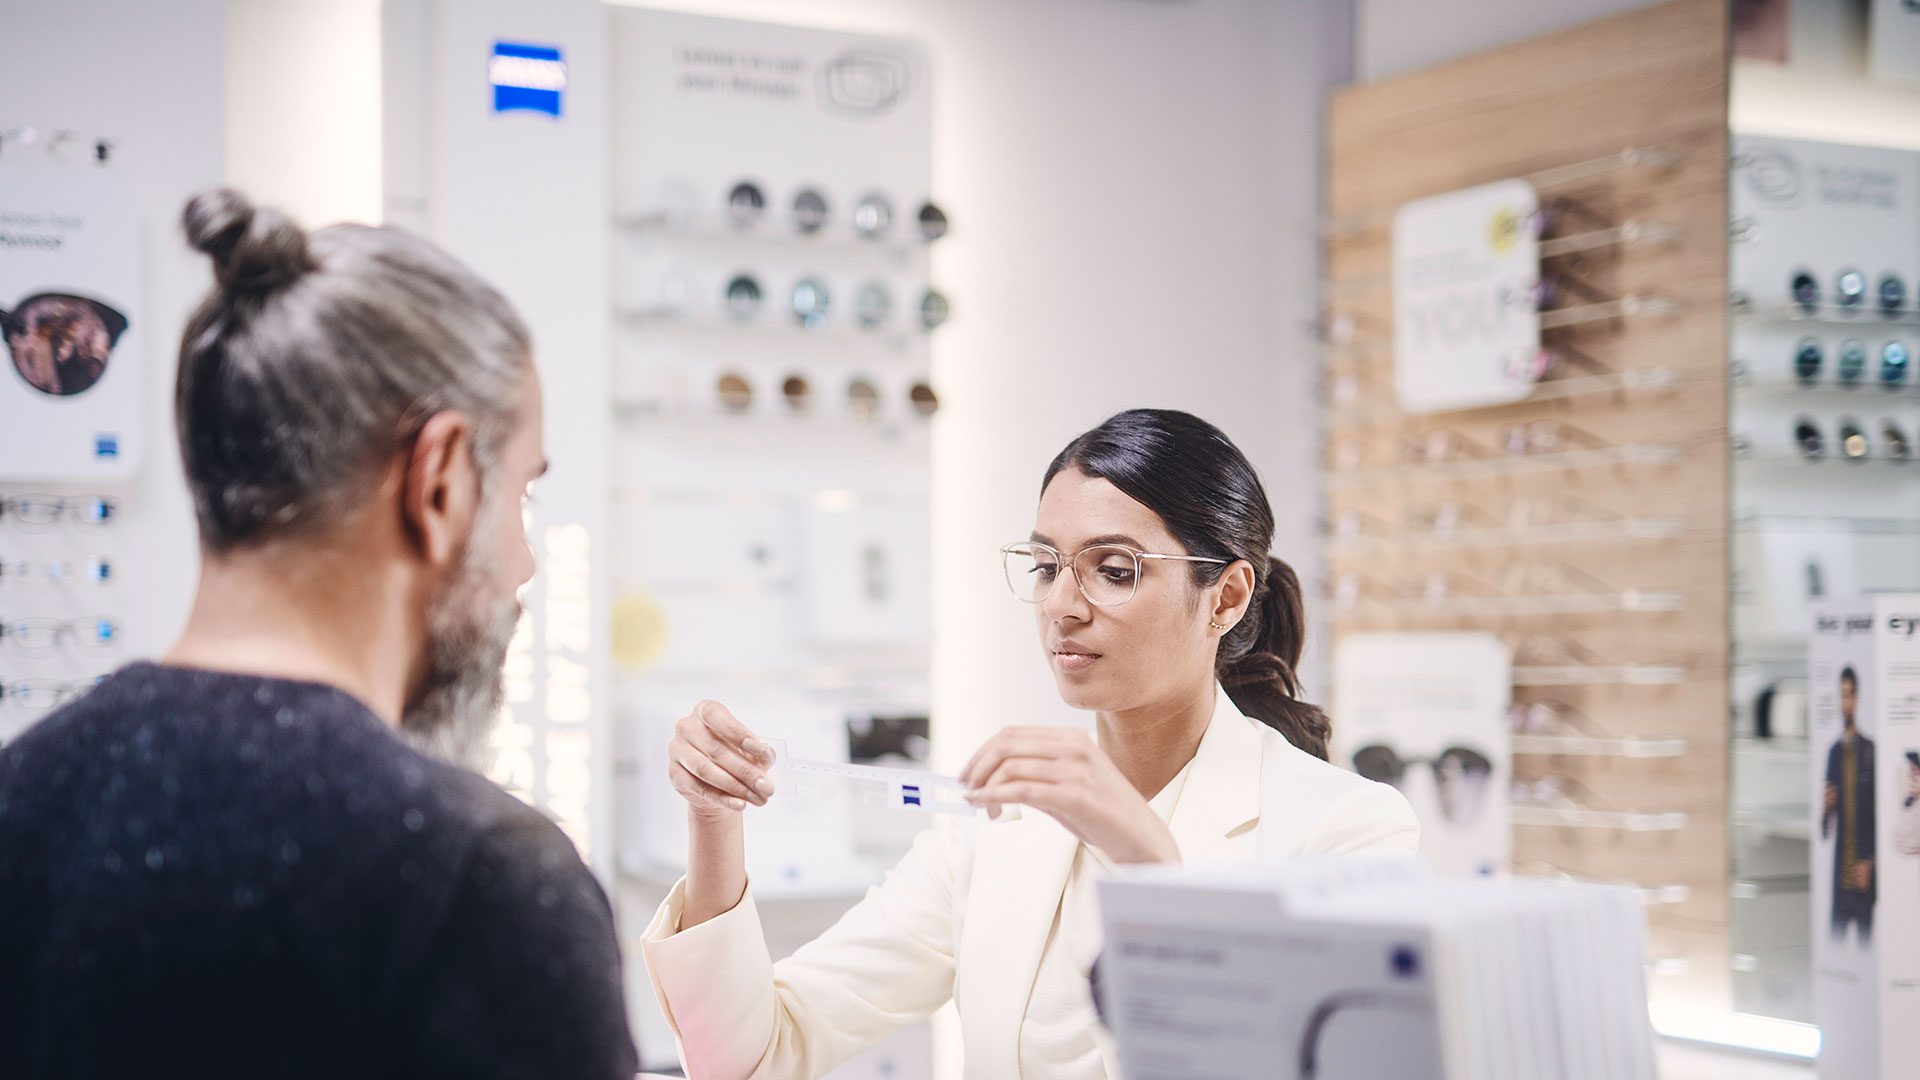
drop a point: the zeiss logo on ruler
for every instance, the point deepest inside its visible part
(530, 77)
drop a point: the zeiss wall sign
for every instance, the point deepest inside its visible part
(530, 77)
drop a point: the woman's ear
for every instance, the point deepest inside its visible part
(441, 495)
(1233, 593)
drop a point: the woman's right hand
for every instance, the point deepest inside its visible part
(717, 764)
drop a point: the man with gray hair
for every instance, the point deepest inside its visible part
(262, 856)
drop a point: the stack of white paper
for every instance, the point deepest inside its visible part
(1354, 969)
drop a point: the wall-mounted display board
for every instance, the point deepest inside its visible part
(1584, 520)
(771, 398)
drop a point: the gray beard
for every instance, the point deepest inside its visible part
(453, 711)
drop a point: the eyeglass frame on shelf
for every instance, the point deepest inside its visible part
(1072, 561)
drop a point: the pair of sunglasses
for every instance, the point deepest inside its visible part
(59, 342)
(1460, 774)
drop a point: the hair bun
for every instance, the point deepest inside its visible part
(255, 250)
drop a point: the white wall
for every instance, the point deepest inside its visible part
(1396, 36)
(1133, 187)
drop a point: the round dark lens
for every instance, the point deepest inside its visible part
(925, 401)
(1807, 434)
(863, 401)
(933, 222)
(745, 203)
(797, 392)
(1852, 362)
(1850, 289)
(743, 297)
(1896, 440)
(872, 304)
(809, 210)
(934, 309)
(1853, 441)
(1893, 293)
(1377, 763)
(1806, 290)
(1807, 358)
(1894, 362)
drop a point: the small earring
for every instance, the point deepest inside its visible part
(1216, 625)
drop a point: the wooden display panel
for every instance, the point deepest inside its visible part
(1654, 78)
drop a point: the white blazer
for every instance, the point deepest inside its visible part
(966, 914)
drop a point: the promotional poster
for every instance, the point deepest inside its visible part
(1865, 776)
(69, 304)
(1427, 713)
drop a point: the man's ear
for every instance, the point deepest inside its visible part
(441, 495)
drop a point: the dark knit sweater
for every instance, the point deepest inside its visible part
(215, 875)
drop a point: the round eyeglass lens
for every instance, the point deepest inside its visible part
(810, 303)
(745, 203)
(1893, 293)
(873, 216)
(1850, 289)
(1853, 441)
(1896, 440)
(1805, 289)
(1807, 434)
(743, 297)
(1105, 575)
(809, 210)
(1894, 362)
(1807, 358)
(933, 222)
(1852, 363)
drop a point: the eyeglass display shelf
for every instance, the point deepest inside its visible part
(1625, 234)
(1776, 747)
(882, 423)
(1631, 306)
(1783, 462)
(1869, 392)
(1598, 675)
(1634, 454)
(902, 240)
(1852, 526)
(1827, 318)
(1524, 536)
(1629, 600)
(1612, 820)
(1640, 379)
(1631, 746)
(1633, 157)
(771, 326)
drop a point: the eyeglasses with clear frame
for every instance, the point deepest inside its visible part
(1106, 574)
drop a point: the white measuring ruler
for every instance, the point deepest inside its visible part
(867, 785)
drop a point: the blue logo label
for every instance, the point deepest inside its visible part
(106, 446)
(530, 77)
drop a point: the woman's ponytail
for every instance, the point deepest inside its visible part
(1259, 660)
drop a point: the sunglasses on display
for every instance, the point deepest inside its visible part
(934, 309)
(1850, 289)
(743, 297)
(31, 697)
(1852, 363)
(863, 400)
(40, 511)
(96, 571)
(1895, 360)
(1893, 294)
(809, 210)
(1460, 776)
(1805, 290)
(1806, 436)
(38, 638)
(1809, 356)
(809, 302)
(746, 204)
(61, 343)
(736, 393)
(1107, 575)
(933, 222)
(797, 392)
(872, 305)
(873, 216)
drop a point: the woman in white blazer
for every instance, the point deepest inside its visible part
(1161, 612)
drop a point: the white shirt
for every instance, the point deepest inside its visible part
(1057, 1039)
(970, 916)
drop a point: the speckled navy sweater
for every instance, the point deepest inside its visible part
(215, 875)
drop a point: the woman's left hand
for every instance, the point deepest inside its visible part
(1063, 773)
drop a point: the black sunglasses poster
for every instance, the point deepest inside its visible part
(1427, 714)
(70, 399)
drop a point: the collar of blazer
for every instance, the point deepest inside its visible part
(1020, 869)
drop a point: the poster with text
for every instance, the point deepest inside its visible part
(1427, 713)
(1466, 304)
(1842, 697)
(70, 401)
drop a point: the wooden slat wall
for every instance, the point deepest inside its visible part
(1654, 77)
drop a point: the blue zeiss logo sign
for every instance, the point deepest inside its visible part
(530, 77)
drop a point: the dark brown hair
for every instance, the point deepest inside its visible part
(1188, 472)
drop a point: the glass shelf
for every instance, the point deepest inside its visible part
(1631, 746)
(1637, 380)
(1614, 820)
(1532, 535)
(718, 228)
(1598, 675)
(1629, 600)
(1860, 318)
(1639, 454)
